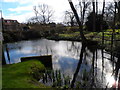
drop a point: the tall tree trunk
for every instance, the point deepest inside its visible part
(119, 11)
(81, 8)
(96, 6)
(103, 11)
(78, 21)
(115, 12)
(93, 4)
(114, 17)
(83, 16)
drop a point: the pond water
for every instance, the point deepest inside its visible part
(66, 58)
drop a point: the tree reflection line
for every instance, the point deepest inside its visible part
(94, 65)
(78, 66)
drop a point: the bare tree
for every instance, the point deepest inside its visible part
(103, 9)
(109, 13)
(43, 13)
(69, 18)
(96, 6)
(102, 15)
(83, 7)
(119, 11)
(78, 20)
(94, 15)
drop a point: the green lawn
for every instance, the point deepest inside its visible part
(92, 35)
(69, 35)
(18, 75)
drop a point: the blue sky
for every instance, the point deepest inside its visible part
(22, 10)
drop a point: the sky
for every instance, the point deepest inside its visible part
(22, 10)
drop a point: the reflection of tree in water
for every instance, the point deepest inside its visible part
(87, 67)
(91, 79)
(73, 48)
(78, 66)
(117, 66)
(66, 55)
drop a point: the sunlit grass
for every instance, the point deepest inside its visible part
(92, 35)
(18, 75)
(72, 35)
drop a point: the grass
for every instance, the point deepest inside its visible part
(95, 36)
(18, 75)
(88, 33)
(69, 35)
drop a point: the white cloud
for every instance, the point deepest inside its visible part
(20, 9)
(21, 18)
(20, 1)
(59, 6)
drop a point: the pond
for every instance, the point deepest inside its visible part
(71, 58)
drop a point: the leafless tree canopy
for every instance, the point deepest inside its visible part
(109, 12)
(83, 8)
(43, 13)
(69, 18)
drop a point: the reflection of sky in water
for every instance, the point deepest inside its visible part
(65, 55)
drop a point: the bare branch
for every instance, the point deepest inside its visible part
(43, 13)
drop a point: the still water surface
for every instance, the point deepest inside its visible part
(65, 57)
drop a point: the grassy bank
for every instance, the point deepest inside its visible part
(20, 75)
(71, 35)
(95, 36)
